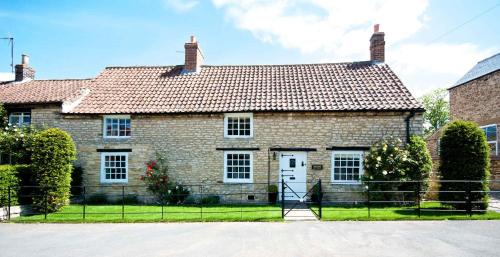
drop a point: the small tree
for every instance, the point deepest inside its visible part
(53, 154)
(437, 109)
(4, 120)
(464, 156)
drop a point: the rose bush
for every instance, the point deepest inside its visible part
(159, 184)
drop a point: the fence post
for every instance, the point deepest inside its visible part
(84, 202)
(123, 202)
(468, 198)
(8, 210)
(241, 201)
(282, 198)
(320, 196)
(368, 199)
(417, 197)
(201, 202)
(46, 203)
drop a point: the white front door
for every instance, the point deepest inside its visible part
(293, 170)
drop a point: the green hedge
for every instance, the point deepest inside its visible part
(8, 179)
(19, 179)
(53, 154)
(464, 156)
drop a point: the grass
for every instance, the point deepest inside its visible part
(429, 211)
(147, 213)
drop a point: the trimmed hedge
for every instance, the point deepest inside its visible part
(464, 156)
(8, 179)
(19, 178)
(419, 164)
(53, 154)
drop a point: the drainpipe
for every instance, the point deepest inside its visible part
(407, 120)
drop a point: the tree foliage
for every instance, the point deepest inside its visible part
(464, 156)
(437, 109)
(53, 154)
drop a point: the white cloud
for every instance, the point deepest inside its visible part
(340, 30)
(180, 5)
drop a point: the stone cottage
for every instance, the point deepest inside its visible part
(476, 97)
(232, 127)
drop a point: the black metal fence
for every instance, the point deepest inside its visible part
(254, 201)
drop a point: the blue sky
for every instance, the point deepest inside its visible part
(77, 39)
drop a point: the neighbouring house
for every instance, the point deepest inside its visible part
(235, 127)
(476, 97)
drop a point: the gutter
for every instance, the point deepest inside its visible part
(407, 120)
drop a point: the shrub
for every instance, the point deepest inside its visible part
(464, 156)
(418, 165)
(52, 157)
(177, 194)
(210, 200)
(15, 144)
(385, 162)
(158, 183)
(4, 120)
(97, 198)
(272, 189)
(8, 179)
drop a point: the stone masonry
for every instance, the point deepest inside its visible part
(189, 143)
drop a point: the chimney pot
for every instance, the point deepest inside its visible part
(376, 28)
(25, 59)
(193, 39)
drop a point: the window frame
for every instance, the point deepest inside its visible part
(361, 167)
(237, 115)
(496, 136)
(104, 123)
(21, 118)
(103, 179)
(238, 180)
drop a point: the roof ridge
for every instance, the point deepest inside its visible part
(247, 65)
(489, 58)
(61, 79)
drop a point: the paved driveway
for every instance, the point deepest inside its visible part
(406, 238)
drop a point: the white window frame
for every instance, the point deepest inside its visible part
(237, 115)
(238, 180)
(496, 141)
(104, 130)
(21, 115)
(103, 168)
(361, 167)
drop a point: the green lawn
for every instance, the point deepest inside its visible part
(138, 213)
(429, 211)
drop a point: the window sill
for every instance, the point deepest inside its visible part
(124, 138)
(238, 182)
(349, 183)
(111, 183)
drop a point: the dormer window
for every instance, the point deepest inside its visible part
(238, 125)
(117, 126)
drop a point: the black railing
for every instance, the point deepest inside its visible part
(206, 200)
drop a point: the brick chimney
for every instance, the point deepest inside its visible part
(377, 45)
(23, 70)
(193, 56)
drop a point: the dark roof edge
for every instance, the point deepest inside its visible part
(465, 82)
(253, 111)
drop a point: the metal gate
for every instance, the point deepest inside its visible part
(313, 196)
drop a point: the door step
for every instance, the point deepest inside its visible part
(300, 215)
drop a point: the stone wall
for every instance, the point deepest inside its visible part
(189, 143)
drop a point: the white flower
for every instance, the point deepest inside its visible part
(176, 187)
(169, 191)
(384, 147)
(384, 172)
(378, 158)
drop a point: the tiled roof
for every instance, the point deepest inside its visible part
(353, 86)
(41, 91)
(484, 67)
